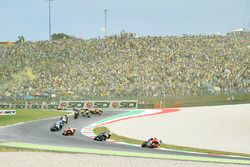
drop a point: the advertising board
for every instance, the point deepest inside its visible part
(7, 112)
(103, 104)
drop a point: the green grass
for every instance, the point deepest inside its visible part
(116, 137)
(191, 101)
(25, 115)
(15, 149)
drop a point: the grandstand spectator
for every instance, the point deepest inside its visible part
(127, 66)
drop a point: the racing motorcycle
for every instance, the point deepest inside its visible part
(103, 136)
(152, 143)
(57, 126)
(69, 131)
(76, 114)
(65, 119)
(95, 111)
(85, 112)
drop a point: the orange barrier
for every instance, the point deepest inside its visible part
(7, 43)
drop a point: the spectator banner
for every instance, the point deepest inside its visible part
(7, 112)
(103, 104)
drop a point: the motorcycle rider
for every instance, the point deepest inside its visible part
(103, 136)
(69, 131)
(107, 135)
(76, 112)
(85, 112)
(59, 123)
(64, 119)
(153, 141)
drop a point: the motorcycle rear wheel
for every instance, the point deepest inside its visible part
(144, 144)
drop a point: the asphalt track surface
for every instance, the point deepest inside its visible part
(38, 132)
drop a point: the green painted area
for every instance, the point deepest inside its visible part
(116, 137)
(25, 115)
(123, 153)
(129, 113)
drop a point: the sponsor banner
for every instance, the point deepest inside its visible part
(36, 106)
(7, 112)
(52, 106)
(4, 106)
(114, 104)
(124, 104)
(30, 106)
(63, 105)
(20, 106)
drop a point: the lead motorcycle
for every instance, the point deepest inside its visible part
(152, 143)
(69, 131)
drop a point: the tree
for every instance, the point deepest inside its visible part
(60, 36)
(21, 39)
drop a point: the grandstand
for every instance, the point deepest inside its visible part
(126, 66)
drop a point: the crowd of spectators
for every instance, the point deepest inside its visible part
(127, 66)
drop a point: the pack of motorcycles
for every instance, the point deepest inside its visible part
(103, 136)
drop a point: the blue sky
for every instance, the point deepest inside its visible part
(85, 19)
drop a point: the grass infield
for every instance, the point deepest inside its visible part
(25, 115)
(118, 138)
(73, 150)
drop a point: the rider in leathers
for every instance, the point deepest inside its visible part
(152, 141)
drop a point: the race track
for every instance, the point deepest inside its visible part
(37, 132)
